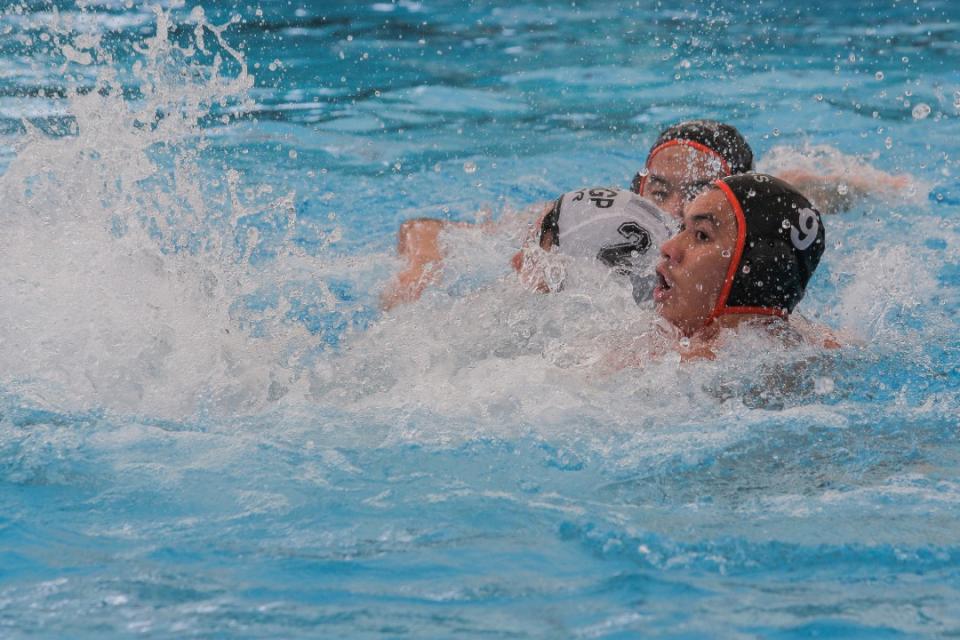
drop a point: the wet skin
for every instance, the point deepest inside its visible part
(694, 263)
(677, 175)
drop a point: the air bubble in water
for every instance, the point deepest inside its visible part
(842, 189)
(470, 166)
(644, 172)
(725, 253)
(745, 269)
(921, 111)
(776, 132)
(888, 143)
(293, 154)
(785, 224)
(879, 75)
(685, 342)
(819, 97)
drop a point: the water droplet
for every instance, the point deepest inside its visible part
(644, 172)
(293, 154)
(842, 189)
(470, 166)
(921, 111)
(751, 193)
(725, 253)
(878, 75)
(436, 168)
(819, 97)
(823, 385)
(685, 64)
(745, 269)
(785, 224)
(956, 99)
(776, 132)
(905, 60)
(888, 143)
(685, 342)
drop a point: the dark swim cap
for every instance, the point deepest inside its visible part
(722, 141)
(780, 239)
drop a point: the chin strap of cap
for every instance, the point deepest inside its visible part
(721, 308)
(639, 186)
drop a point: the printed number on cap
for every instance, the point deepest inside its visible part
(803, 237)
(638, 241)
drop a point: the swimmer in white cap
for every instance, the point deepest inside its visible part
(614, 227)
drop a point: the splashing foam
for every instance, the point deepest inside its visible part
(118, 286)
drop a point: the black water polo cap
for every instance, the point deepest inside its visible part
(780, 239)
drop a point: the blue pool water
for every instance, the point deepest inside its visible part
(208, 429)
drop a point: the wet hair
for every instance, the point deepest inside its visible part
(780, 239)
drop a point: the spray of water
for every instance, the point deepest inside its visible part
(126, 255)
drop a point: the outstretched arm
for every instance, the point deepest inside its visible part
(835, 192)
(834, 181)
(418, 241)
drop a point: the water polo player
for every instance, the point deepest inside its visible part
(746, 249)
(686, 158)
(690, 155)
(615, 227)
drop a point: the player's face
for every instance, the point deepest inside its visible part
(678, 174)
(693, 264)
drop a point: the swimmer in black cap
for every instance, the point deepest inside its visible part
(686, 158)
(747, 247)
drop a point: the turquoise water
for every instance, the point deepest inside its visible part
(208, 429)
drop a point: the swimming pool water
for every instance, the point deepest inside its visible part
(208, 428)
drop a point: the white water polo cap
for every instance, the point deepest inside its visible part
(615, 226)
